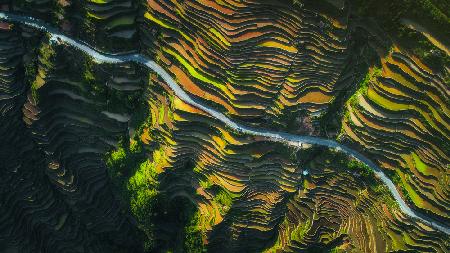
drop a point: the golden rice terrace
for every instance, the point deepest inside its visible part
(224, 126)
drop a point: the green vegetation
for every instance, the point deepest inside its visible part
(423, 48)
(362, 74)
(30, 74)
(46, 60)
(114, 100)
(134, 175)
(397, 180)
(47, 55)
(205, 184)
(144, 195)
(388, 13)
(383, 192)
(366, 174)
(139, 186)
(403, 180)
(126, 20)
(337, 250)
(137, 180)
(96, 87)
(433, 14)
(58, 12)
(300, 231)
(224, 198)
(88, 26)
(342, 161)
(363, 86)
(420, 166)
(193, 242)
(127, 156)
(361, 168)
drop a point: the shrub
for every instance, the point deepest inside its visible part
(361, 168)
(193, 242)
(432, 14)
(137, 180)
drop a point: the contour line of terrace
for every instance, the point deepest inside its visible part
(285, 138)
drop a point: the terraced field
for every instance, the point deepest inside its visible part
(402, 117)
(269, 56)
(218, 126)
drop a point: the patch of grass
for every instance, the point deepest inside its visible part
(337, 250)
(410, 194)
(420, 166)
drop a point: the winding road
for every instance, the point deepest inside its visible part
(285, 138)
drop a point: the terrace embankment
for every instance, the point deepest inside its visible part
(263, 63)
(34, 215)
(56, 195)
(401, 118)
(111, 24)
(339, 208)
(252, 196)
(227, 175)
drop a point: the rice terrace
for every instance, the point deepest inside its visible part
(224, 126)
